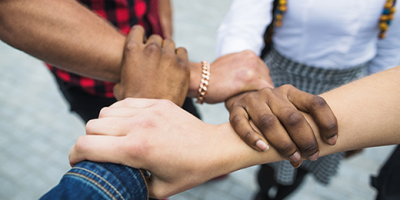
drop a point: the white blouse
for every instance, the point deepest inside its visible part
(331, 34)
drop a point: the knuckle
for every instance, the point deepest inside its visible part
(265, 91)
(267, 120)
(131, 46)
(331, 128)
(158, 37)
(294, 118)
(89, 125)
(181, 50)
(169, 56)
(309, 148)
(318, 102)
(168, 40)
(236, 119)
(152, 48)
(81, 144)
(251, 98)
(250, 137)
(287, 148)
(286, 87)
(104, 112)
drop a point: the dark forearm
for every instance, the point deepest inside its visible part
(65, 34)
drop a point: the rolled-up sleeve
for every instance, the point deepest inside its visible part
(244, 26)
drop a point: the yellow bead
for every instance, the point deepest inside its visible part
(382, 35)
(282, 8)
(282, 2)
(391, 16)
(388, 5)
(384, 18)
(279, 16)
(278, 23)
(392, 10)
(383, 26)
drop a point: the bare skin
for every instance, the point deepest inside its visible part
(165, 13)
(165, 71)
(183, 152)
(88, 45)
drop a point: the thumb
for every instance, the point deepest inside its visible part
(158, 188)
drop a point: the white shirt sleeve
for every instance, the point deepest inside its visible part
(244, 26)
(388, 49)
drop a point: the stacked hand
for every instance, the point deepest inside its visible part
(154, 69)
(178, 149)
(230, 75)
(275, 114)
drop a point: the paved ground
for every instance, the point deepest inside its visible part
(37, 130)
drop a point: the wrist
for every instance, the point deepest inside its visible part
(195, 77)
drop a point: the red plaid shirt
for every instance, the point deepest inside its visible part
(123, 14)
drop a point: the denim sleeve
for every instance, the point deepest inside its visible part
(100, 181)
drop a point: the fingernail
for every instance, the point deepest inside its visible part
(314, 157)
(262, 145)
(295, 157)
(332, 140)
(296, 164)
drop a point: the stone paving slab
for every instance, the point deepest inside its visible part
(37, 130)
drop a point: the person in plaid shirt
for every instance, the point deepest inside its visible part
(84, 51)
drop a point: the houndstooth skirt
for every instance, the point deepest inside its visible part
(313, 80)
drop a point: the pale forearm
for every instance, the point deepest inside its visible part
(367, 111)
(65, 34)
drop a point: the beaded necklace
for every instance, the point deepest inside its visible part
(384, 21)
(386, 17)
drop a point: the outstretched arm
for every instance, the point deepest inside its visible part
(65, 34)
(70, 36)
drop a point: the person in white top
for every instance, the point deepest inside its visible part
(320, 45)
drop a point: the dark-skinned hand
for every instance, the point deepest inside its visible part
(153, 69)
(275, 114)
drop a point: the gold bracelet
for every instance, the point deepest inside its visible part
(205, 78)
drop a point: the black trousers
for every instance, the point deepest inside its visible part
(266, 181)
(88, 106)
(388, 181)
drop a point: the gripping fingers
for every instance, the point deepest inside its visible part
(168, 45)
(296, 125)
(240, 123)
(136, 34)
(156, 39)
(115, 126)
(182, 54)
(273, 130)
(319, 110)
(117, 112)
(99, 149)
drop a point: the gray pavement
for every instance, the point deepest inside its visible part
(37, 130)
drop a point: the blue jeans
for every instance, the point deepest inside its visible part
(90, 180)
